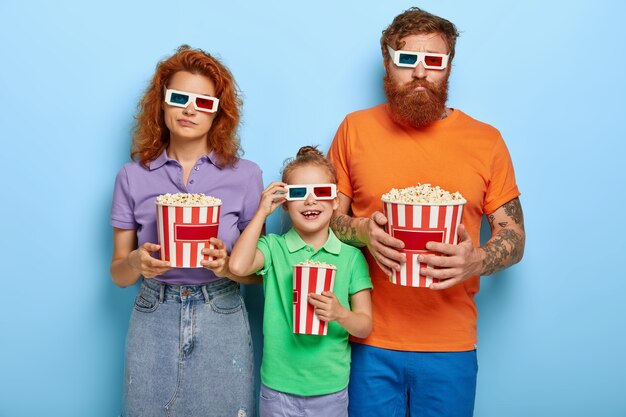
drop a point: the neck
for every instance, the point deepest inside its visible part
(315, 239)
(188, 151)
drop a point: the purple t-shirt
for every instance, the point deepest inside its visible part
(136, 188)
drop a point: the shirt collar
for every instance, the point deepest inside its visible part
(294, 242)
(164, 158)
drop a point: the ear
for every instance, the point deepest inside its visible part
(286, 206)
(335, 203)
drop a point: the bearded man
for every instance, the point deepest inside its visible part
(420, 358)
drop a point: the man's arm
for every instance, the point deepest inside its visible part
(504, 248)
(361, 231)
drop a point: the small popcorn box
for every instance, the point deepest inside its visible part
(415, 224)
(306, 280)
(185, 231)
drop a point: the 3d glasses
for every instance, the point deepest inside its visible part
(178, 98)
(411, 59)
(319, 191)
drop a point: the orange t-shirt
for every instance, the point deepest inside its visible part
(373, 154)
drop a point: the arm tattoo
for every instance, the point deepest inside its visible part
(513, 209)
(503, 250)
(345, 231)
(506, 247)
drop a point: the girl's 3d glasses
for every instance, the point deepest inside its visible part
(318, 191)
(411, 59)
(200, 103)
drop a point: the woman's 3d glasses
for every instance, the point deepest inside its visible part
(318, 191)
(411, 59)
(178, 98)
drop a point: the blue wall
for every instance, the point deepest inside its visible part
(549, 75)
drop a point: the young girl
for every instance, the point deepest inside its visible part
(305, 375)
(188, 349)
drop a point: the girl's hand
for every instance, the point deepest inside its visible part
(142, 262)
(272, 197)
(327, 306)
(219, 264)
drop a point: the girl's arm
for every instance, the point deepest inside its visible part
(128, 263)
(245, 258)
(357, 322)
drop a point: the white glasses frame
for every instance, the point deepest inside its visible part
(421, 57)
(192, 97)
(309, 190)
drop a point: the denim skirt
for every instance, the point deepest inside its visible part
(189, 352)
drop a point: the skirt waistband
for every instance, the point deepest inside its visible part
(189, 292)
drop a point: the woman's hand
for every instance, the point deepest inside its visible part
(142, 262)
(219, 258)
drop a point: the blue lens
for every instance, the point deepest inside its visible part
(179, 98)
(298, 192)
(408, 59)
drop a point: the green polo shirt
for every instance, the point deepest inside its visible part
(296, 363)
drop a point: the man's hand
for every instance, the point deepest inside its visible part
(382, 246)
(458, 263)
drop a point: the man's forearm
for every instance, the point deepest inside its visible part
(506, 246)
(348, 229)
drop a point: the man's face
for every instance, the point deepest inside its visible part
(417, 96)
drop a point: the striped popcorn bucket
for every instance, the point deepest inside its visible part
(185, 231)
(306, 280)
(416, 224)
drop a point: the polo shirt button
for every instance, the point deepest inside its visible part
(191, 181)
(197, 167)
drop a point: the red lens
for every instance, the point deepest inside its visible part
(322, 191)
(433, 61)
(204, 103)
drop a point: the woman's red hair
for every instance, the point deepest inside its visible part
(151, 136)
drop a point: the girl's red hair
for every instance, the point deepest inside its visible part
(151, 136)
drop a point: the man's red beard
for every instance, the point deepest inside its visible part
(413, 108)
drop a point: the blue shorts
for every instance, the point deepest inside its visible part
(385, 382)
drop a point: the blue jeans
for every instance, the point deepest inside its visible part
(189, 352)
(384, 382)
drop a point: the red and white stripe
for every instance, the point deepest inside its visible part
(184, 232)
(306, 280)
(415, 225)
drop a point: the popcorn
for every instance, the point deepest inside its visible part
(316, 264)
(423, 194)
(187, 200)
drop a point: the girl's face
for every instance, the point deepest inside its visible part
(310, 216)
(186, 124)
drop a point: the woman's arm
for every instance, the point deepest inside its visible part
(128, 263)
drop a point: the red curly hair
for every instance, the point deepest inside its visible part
(151, 136)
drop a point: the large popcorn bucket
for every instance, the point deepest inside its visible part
(306, 280)
(415, 224)
(185, 231)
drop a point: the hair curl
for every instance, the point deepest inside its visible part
(416, 21)
(308, 155)
(151, 135)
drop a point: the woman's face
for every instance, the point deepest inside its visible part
(188, 124)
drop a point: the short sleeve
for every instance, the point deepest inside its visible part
(501, 187)
(338, 154)
(122, 207)
(360, 278)
(264, 246)
(251, 197)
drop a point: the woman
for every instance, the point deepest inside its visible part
(188, 349)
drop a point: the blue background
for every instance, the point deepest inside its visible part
(549, 75)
